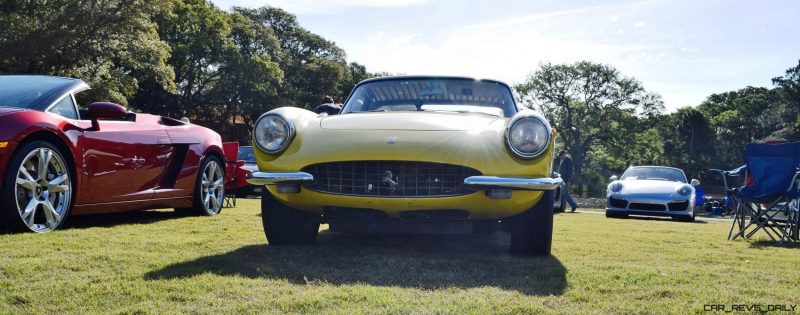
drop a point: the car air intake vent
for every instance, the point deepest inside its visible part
(647, 206)
(390, 178)
(678, 206)
(617, 203)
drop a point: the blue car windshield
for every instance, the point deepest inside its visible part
(654, 173)
(25, 91)
(432, 94)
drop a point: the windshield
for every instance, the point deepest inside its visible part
(432, 94)
(654, 173)
(247, 154)
(25, 91)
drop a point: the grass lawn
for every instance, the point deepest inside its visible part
(161, 262)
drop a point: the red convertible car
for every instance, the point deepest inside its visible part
(57, 160)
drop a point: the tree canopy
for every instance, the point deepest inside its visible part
(592, 105)
(608, 121)
(111, 44)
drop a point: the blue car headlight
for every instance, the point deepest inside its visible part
(685, 190)
(615, 187)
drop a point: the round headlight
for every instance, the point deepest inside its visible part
(685, 190)
(273, 133)
(615, 187)
(528, 136)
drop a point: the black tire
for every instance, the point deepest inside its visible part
(615, 215)
(198, 206)
(684, 218)
(286, 226)
(9, 214)
(532, 230)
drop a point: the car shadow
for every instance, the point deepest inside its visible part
(124, 218)
(418, 261)
(649, 218)
(770, 243)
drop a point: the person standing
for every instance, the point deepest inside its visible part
(328, 106)
(565, 169)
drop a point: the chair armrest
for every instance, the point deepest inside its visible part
(741, 170)
(732, 173)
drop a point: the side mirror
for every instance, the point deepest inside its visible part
(105, 111)
(695, 182)
(613, 178)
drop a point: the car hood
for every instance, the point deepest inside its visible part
(8, 110)
(420, 121)
(473, 140)
(649, 186)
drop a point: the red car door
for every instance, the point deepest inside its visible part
(123, 161)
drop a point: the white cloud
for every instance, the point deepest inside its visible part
(506, 49)
(510, 48)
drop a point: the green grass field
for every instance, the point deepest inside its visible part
(161, 262)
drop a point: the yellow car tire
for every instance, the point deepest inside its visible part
(532, 230)
(286, 226)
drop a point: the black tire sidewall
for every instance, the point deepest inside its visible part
(198, 207)
(532, 230)
(286, 226)
(9, 214)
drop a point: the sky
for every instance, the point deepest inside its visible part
(683, 50)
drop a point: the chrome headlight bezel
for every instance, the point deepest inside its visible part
(530, 117)
(290, 133)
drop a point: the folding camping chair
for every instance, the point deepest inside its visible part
(769, 199)
(231, 150)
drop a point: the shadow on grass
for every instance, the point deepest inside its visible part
(115, 219)
(418, 261)
(650, 218)
(770, 243)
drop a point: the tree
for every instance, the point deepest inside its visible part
(313, 66)
(789, 89)
(198, 35)
(740, 117)
(249, 78)
(111, 44)
(592, 105)
(688, 141)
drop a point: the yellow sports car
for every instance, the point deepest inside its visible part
(409, 154)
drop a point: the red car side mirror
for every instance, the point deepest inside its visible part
(105, 111)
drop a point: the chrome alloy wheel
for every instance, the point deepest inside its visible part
(43, 190)
(212, 187)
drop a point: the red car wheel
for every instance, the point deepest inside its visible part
(37, 188)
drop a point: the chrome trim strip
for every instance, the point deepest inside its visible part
(271, 178)
(485, 182)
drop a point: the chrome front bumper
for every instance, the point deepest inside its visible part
(489, 182)
(273, 178)
(472, 182)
